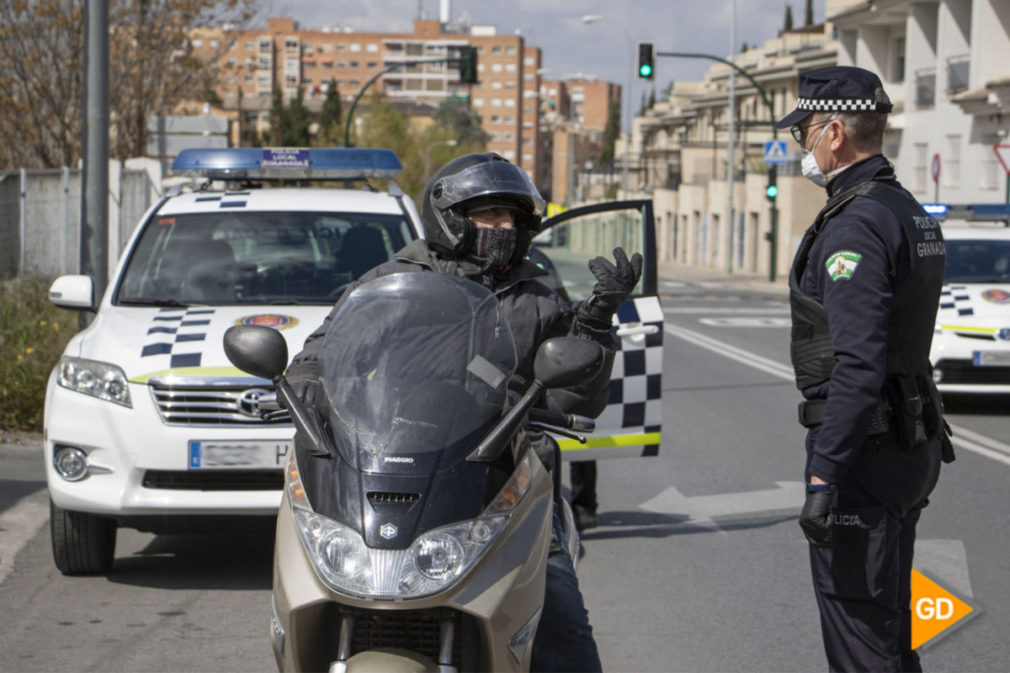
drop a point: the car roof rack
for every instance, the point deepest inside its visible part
(287, 163)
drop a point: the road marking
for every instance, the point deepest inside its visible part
(702, 509)
(963, 437)
(746, 322)
(20, 524)
(721, 310)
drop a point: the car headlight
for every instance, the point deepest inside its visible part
(433, 562)
(97, 379)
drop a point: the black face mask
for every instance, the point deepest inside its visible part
(494, 247)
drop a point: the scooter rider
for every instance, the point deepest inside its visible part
(480, 213)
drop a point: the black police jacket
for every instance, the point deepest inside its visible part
(864, 291)
(534, 312)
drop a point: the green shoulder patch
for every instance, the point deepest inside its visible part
(842, 264)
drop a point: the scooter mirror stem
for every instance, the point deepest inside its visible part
(303, 419)
(495, 442)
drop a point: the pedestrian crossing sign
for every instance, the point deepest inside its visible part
(775, 152)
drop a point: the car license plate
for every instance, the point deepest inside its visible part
(237, 455)
(991, 358)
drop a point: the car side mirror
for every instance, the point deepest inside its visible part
(73, 292)
(258, 350)
(568, 361)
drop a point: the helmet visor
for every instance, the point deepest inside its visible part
(490, 179)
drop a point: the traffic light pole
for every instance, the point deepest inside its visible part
(772, 235)
(391, 68)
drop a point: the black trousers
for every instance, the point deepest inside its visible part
(863, 586)
(583, 479)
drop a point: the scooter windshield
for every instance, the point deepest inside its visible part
(416, 369)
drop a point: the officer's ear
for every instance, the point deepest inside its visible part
(837, 133)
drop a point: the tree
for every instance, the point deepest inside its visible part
(788, 24)
(744, 48)
(331, 119)
(296, 122)
(808, 14)
(383, 126)
(153, 67)
(610, 133)
(462, 121)
(41, 83)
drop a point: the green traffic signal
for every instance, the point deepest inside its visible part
(645, 70)
(771, 191)
(646, 59)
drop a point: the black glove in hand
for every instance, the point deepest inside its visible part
(815, 518)
(614, 282)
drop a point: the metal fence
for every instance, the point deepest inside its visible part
(40, 216)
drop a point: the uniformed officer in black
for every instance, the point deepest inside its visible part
(864, 291)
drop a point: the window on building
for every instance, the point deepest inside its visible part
(527, 157)
(372, 48)
(250, 46)
(510, 84)
(341, 64)
(496, 50)
(898, 62)
(925, 87)
(355, 46)
(496, 67)
(372, 64)
(214, 44)
(495, 119)
(264, 63)
(478, 102)
(958, 69)
(510, 67)
(920, 166)
(341, 46)
(510, 51)
(354, 64)
(291, 45)
(197, 44)
(529, 60)
(509, 102)
(509, 154)
(266, 44)
(231, 63)
(232, 79)
(509, 136)
(952, 163)
(509, 119)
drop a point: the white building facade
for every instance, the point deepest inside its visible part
(946, 66)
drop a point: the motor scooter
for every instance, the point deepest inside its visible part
(416, 521)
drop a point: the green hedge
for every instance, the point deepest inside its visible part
(33, 334)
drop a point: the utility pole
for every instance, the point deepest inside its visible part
(730, 160)
(95, 195)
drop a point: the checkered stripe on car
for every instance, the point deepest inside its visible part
(956, 297)
(636, 403)
(176, 336)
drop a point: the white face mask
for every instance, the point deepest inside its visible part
(811, 171)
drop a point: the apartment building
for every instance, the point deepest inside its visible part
(946, 66)
(283, 56)
(680, 149)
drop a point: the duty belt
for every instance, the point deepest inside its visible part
(811, 413)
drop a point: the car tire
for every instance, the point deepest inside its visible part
(83, 544)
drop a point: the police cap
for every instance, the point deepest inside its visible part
(839, 88)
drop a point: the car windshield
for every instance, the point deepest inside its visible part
(977, 261)
(416, 369)
(257, 257)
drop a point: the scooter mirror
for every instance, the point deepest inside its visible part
(562, 362)
(258, 350)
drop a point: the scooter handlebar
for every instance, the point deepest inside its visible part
(569, 421)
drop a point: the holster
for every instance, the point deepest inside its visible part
(908, 407)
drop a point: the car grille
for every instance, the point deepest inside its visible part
(963, 371)
(211, 405)
(215, 480)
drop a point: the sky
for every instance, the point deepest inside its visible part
(603, 49)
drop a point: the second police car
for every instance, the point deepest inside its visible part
(971, 344)
(147, 424)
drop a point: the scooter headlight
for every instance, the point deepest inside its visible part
(433, 562)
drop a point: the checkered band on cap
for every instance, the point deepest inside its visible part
(836, 104)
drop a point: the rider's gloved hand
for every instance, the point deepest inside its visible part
(614, 282)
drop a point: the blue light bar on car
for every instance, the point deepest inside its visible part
(288, 163)
(936, 209)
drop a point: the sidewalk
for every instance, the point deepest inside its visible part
(706, 274)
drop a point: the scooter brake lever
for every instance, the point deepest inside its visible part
(581, 439)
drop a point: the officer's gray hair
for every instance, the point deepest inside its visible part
(865, 129)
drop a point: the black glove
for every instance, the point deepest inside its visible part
(815, 519)
(613, 285)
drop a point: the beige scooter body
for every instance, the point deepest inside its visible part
(318, 629)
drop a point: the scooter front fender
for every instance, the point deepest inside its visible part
(386, 660)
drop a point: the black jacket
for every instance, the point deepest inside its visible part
(868, 238)
(535, 313)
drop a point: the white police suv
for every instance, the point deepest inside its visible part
(971, 344)
(147, 425)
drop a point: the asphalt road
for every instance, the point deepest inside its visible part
(697, 564)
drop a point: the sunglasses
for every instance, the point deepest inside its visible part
(797, 131)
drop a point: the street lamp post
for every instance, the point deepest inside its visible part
(593, 18)
(452, 142)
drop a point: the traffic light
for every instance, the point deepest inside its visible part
(646, 60)
(468, 65)
(772, 190)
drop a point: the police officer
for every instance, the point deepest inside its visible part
(480, 214)
(864, 291)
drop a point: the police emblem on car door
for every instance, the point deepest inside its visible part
(630, 425)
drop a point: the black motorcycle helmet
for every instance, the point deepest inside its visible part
(478, 181)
